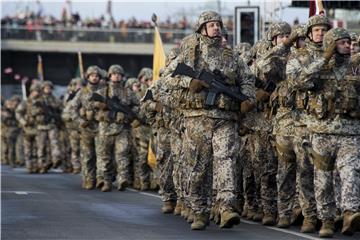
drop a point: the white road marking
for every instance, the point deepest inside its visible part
(22, 192)
(144, 193)
(245, 221)
(283, 230)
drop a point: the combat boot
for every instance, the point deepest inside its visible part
(88, 184)
(268, 220)
(144, 186)
(191, 217)
(136, 184)
(284, 222)
(297, 217)
(258, 217)
(309, 225)
(327, 229)
(178, 207)
(76, 171)
(229, 219)
(187, 212)
(99, 183)
(200, 222)
(43, 170)
(122, 186)
(351, 223)
(250, 214)
(107, 187)
(168, 207)
(244, 213)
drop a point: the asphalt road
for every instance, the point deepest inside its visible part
(53, 206)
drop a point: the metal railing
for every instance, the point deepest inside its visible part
(79, 34)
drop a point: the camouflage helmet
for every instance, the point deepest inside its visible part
(147, 72)
(76, 81)
(116, 69)
(300, 29)
(47, 84)
(205, 17)
(354, 36)
(242, 47)
(93, 69)
(317, 20)
(130, 82)
(280, 28)
(35, 87)
(333, 35)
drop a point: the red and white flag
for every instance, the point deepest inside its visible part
(316, 7)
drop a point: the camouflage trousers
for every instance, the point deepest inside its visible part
(250, 197)
(8, 148)
(295, 171)
(20, 160)
(74, 138)
(89, 143)
(263, 164)
(48, 140)
(165, 165)
(141, 137)
(206, 142)
(65, 149)
(178, 168)
(340, 152)
(115, 148)
(30, 150)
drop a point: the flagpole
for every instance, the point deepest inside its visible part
(81, 66)
(40, 68)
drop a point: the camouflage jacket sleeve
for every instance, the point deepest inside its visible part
(247, 81)
(280, 49)
(303, 70)
(20, 113)
(75, 105)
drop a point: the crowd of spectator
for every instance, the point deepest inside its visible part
(31, 20)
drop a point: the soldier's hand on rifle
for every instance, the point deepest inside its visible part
(262, 95)
(246, 106)
(100, 105)
(120, 117)
(83, 123)
(159, 107)
(329, 52)
(197, 85)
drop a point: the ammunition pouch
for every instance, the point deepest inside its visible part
(301, 100)
(223, 102)
(324, 163)
(82, 112)
(89, 115)
(285, 153)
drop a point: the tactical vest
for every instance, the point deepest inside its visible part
(191, 55)
(332, 97)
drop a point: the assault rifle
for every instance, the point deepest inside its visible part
(114, 106)
(72, 95)
(215, 80)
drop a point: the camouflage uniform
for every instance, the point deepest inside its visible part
(10, 131)
(114, 134)
(211, 137)
(159, 118)
(298, 69)
(335, 129)
(85, 113)
(48, 121)
(71, 126)
(141, 136)
(26, 114)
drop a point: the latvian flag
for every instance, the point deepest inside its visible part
(316, 8)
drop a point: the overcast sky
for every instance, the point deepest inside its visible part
(143, 9)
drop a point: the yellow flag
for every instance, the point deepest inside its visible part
(158, 63)
(40, 69)
(159, 55)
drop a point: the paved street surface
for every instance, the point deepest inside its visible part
(53, 206)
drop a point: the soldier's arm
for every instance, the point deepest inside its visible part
(20, 113)
(247, 82)
(74, 107)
